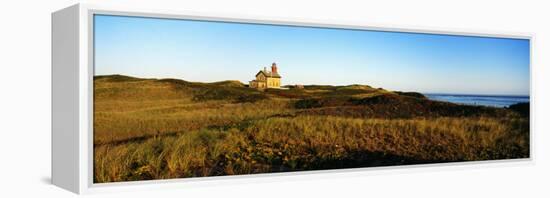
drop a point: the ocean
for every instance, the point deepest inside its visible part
(482, 100)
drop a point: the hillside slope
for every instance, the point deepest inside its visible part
(170, 128)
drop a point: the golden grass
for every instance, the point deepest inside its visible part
(128, 110)
(123, 120)
(312, 142)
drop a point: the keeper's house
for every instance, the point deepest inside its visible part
(267, 79)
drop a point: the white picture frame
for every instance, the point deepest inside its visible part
(72, 99)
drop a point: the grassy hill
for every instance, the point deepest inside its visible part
(170, 128)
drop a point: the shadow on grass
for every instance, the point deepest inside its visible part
(355, 159)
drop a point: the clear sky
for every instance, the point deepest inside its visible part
(215, 51)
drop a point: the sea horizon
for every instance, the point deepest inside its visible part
(491, 100)
(475, 94)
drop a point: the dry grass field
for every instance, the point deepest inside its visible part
(159, 129)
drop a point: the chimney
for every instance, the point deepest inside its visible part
(265, 69)
(274, 68)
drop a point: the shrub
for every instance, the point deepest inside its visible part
(411, 94)
(522, 108)
(307, 103)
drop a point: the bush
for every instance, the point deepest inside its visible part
(522, 108)
(251, 98)
(411, 94)
(307, 103)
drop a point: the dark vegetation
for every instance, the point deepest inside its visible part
(411, 94)
(522, 108)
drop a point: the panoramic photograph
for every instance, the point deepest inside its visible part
(175, 98)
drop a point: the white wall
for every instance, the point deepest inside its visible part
(25, 98)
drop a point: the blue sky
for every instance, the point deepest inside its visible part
(215, 51)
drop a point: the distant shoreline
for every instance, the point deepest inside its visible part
(482, 95)
(501, 101)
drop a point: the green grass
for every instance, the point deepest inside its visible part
(158, 129)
